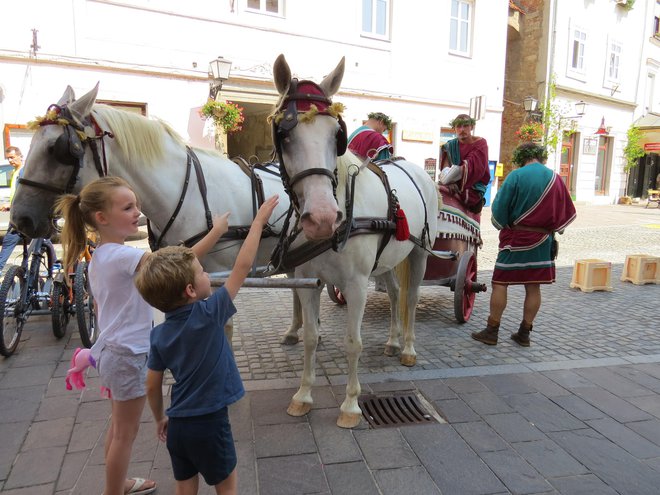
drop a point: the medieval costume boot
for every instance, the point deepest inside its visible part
(522, 336)
(489, 334)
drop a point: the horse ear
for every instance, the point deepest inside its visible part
(67, 97)
(332, 81)
(82, 107)
(281, 74)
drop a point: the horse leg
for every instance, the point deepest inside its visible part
(301, 403)
(415, 266)
(392, 347)
(290, 337)
(350, 413)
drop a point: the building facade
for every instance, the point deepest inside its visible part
(588, 77)
(420, 63)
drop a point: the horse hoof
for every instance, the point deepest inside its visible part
(348, 420)
(408, 360)
(391, 350)
(298, 408)
(289, 340)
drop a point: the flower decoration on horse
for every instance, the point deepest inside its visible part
(531, 131)
(225, 115)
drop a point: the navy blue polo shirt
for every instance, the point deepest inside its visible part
(191, 343)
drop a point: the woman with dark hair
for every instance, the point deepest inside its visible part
(532, 204)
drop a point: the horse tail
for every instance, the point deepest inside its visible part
(402, 271)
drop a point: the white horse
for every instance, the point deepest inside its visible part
(71, 147)
(309, 134)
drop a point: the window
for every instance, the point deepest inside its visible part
(578, 43)
(612, 73)
(656, 27)
(266, 6)
(376, 18)
(650, 87)
(460, 24)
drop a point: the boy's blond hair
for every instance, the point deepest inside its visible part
(164, 275)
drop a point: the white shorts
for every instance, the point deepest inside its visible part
(123, 373)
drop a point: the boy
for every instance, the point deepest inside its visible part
(191, 343)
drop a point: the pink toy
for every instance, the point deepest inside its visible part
(81, 360)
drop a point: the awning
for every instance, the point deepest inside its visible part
(649, 127)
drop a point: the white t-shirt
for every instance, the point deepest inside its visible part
(124, 318)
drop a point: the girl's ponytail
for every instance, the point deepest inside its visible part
(74, 231)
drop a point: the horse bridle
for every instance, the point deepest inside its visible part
(69, 147)
(283, 126)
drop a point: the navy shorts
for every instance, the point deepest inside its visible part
(202, 444)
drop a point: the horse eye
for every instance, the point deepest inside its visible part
(50, 148)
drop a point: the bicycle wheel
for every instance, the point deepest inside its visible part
(84, 306)
(60, 308)
(12, 306)
(43, 276)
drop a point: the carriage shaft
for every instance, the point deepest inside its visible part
(273, 283)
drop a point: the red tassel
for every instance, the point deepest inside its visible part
(402, 230)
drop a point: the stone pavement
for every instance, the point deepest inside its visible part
(577, 412)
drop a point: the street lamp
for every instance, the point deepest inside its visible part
(218, 73)
(530, 103)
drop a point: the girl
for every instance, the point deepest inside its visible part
(109, 207)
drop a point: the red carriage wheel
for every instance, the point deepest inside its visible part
(335, 295)
(463, 293)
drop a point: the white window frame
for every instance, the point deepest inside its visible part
(262, 8)
(574, 35)
(650, 91)
(612, 56)
(459, 24)
(371, 32)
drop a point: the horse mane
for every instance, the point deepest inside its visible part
(140, 139)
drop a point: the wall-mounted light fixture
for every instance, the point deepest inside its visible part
(219, 70)
(602, 130)
(530, 104)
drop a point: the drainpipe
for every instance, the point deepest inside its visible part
(552, 35)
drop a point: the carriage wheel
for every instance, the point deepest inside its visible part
(335, 295)
(463, 294)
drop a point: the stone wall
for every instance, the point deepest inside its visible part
(524, 71)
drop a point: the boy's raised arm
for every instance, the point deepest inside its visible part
(248, 251)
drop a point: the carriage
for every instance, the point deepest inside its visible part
(457, 242)
(459, 233)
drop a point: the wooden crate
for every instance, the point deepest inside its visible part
(641, 269)
(592, 274)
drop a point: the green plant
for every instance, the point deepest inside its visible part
(628, 5)
(633, 151)
(225, 115)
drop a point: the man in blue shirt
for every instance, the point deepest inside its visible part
(11, 238)
(191, 343)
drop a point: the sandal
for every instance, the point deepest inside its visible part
(138, 487)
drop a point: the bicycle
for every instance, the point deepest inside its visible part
(84, 302)
(26, 289)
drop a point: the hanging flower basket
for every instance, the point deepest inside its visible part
(225, 115)
(530, 131)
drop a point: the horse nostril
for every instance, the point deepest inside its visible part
(340, 216)
(305, 216)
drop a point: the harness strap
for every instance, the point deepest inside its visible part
(154, 243)
(291, 258)
(425, 231)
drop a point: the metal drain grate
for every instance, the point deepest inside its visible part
(396, 410)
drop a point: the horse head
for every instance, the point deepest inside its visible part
(54, 163)
(309, 134)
